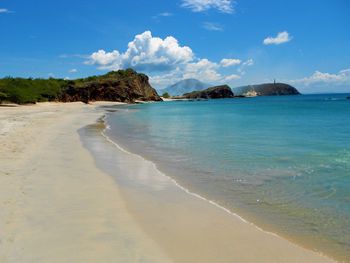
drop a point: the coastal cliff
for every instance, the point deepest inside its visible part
(267, 89)
(120, 86)
(217, 92)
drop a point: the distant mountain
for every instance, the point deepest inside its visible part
(217, 92)
(267, 89)
(184, 86)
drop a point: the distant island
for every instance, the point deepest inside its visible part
(224, 91)
(267, 89)
(217, 92)
(190, 88)
(184, 86)
(120, 86)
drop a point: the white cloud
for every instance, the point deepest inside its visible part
(213, 26)
(165, 61)
(165, 14)
(4, 10)
(232, 77)
(245, 64)
(340, 78)
(205, 69)
(202, 69)
(73, 70)
(145, 52)
(228, 62)
(224, 6)
(167, 79)
(105, 59)
(248, 63)
(281, 37)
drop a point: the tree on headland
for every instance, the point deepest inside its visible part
(3, 97)
(166, 95)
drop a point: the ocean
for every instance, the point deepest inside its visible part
(282, 163)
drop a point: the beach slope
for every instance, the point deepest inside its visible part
(57, 206)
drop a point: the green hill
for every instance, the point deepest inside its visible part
(123, 85)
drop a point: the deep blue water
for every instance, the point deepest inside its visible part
(281, 162)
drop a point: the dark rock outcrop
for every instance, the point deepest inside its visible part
(217, 92)
(268, 89)
(121, 86)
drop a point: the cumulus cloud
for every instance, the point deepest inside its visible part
(145, 52)
(106, 59)
(166, 79)
(213, 26)
(282, 37)
(224, 6)
(165, 61)
(73, 70)
(228, 62)
(340, 78)
(204, 68)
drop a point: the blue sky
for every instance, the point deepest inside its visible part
(304, 43)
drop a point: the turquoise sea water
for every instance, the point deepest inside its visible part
(283, 163)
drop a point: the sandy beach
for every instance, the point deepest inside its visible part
(56, 206)
(60, 203)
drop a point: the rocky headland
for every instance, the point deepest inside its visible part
(217, 92)
(267, 89)
(118, 86)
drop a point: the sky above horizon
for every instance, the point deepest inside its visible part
(303, 43)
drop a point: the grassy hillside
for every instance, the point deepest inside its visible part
(21, 91)
(122, 85)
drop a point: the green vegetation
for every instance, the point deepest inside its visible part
(3, 97)
(24, 91)
(166, 95)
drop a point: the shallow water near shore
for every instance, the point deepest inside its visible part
(281, 162)
(186, 226)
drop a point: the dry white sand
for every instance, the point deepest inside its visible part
(56, 206)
